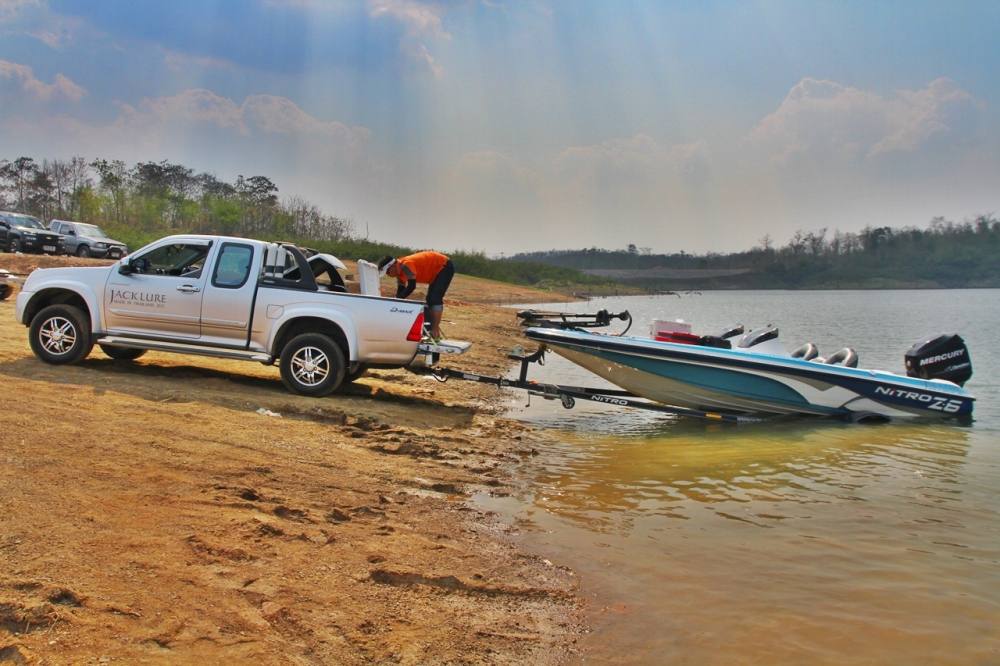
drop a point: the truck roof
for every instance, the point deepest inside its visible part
(211, 237)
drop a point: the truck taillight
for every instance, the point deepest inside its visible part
(417, 330)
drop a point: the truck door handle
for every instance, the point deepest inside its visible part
(188, 289)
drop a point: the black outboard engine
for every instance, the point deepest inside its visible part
(944, 357)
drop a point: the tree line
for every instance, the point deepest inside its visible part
(945, 253)
(139, 203)
(149, 199)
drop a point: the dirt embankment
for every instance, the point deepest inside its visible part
(156, 511)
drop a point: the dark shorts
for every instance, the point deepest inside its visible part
(440, 284)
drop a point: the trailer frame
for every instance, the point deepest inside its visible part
(568, 395)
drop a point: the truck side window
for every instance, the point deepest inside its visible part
(233, 267)
(178, 259)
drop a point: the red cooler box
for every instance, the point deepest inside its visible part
(677, 331)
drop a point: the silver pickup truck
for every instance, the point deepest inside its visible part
(225, 297)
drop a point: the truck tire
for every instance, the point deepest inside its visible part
(359, 371)
(122, 353)
(14, 246)
(60, 334)
(312, 364)
(83, 251)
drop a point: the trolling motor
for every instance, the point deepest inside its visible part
(568, 321)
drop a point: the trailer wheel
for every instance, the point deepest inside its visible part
(60, 334)
(312, 364)
(122, 353)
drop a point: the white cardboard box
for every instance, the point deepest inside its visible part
(368, 278)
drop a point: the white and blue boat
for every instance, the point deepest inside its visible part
(752, 373)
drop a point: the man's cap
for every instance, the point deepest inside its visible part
(385, 264)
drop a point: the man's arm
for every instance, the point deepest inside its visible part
(404, 290)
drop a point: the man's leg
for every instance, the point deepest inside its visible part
(436, 312)
(435, 297)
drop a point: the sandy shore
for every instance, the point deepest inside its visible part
(150, 512)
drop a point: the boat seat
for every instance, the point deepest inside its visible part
(846, 357)
(806, 352)
(730, 332)
(754, 338)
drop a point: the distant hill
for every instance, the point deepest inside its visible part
(943, 255)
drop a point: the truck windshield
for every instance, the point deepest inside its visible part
(27, 222)
(90, 231)
(178, 259)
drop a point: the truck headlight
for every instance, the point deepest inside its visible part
(102, 245)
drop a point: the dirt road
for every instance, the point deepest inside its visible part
(159, 511)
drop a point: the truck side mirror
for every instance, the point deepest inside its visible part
(70, 232)
(126, 268)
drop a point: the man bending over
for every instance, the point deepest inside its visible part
(431, 268)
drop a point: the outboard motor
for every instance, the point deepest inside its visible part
(944, 357)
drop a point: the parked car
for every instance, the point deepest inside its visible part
(5, 287)
(225, 297)
(87, 240)
(24, 233)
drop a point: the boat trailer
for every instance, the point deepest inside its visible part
(568, 395)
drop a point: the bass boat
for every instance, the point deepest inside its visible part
(752, 372)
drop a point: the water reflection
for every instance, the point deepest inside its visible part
(756, 474)
(772, 545)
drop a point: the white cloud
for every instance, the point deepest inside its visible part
(420, 19)
(279, 115)
(422, 22)
(24, 76)
(195, 106)
(257, 115)
(824, 120)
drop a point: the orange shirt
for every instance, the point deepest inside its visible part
(424, 265)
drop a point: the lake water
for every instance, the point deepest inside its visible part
(806, 542)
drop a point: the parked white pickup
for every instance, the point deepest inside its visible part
(224, 297)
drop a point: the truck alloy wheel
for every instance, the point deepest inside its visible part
(15, 246)
(60, 334)
(312, 364)
(83, 251)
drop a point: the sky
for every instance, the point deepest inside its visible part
(506, 126)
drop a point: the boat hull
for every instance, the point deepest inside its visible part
(745, 382)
